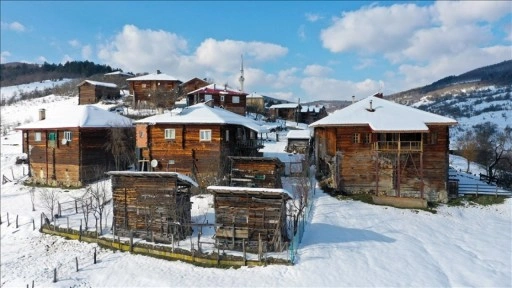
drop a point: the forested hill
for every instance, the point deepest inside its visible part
(17, 73)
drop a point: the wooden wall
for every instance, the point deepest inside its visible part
(90, 94)
(238, 108)
(142, 89)
(243, 216)
(256, 172)
(150, 204)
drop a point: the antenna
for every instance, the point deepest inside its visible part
(242, 79)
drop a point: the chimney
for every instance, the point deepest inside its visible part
(158, 72)
(42, 114)
(379, 95)
(353, 99)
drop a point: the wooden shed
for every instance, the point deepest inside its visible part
(154, 205)
(221, 96)
(286, 111)
(258, 172)
(298, 141)
(157, 89)
(90, 92)
(254, 218)
(383, 148)
(67, 148)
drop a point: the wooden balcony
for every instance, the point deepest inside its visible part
(398, 146)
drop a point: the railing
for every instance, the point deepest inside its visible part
(398, 146)
(249, 144)
(482, 189)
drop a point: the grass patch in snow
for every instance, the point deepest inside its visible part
(483, 200)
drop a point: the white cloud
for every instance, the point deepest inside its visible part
(364, 63)
(450, 13)
(301, 32)
(66, 58)
(74, 43)
(317, 70)
(312, 17)
(508, 32)
(41, 59)
(4, 55)
(86, 52)
(334, 89)
(374, 29)
(13, 26)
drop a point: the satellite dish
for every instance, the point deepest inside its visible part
(154, 163)
(64, 141)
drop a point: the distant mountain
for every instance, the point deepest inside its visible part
(493, 75)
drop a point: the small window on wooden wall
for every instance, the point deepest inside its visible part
(37, 136)
(170, 134)
(68, 135)
(356, 138)
(205, 135)
(367, 138)
(235, 99)
(433, 138)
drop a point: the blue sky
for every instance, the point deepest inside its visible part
(307, 50)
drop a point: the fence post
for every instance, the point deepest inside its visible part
(16, 220)
(245, 254)
(76, 261)
(172, 243)
(54, 275)
(67, 220)
(94, 255)
(60, 209)
(8, 222)
(76, 207)
(33, 224)
(131, 241)
(80, 234)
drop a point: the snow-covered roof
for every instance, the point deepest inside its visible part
(118, 73)
(97, 83)
(84, 116)
(383, 116)
(285, 106)
(204, 114)
(250, 190)
(299, 134)
(180, 176)
(154, 76)
(217, 89)
(254, 95)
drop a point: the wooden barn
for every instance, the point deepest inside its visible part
(196, 140)
(156, 89)
(151, 205)
(312, 113)
(383, 148)
(286, 111)
(255, 103)
(192, 85)
(254, 218)
(257, 172)
(90, 92)
(67, 147)
(221, 96)
(299, 141)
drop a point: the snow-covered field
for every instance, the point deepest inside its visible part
(346, 243)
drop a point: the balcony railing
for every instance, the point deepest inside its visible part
(414, 146)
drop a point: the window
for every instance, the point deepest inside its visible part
(236, 99)
(68, 135)
(205, 135)
(433, 138)
(170, 134)
(356, 138)
(143, 85)
(37, 136)
(52, 136)
(207, 97)
(221, 98)
(227, 135)
(367, 138)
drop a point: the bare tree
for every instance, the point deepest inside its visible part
(301, 193)
(49, 199)
(468, 147)
(100, 196)
(121, 144)
(493, 145)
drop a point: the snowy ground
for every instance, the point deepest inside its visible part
(346, 244)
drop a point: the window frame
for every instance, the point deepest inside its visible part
(235, 99)
(68, 135)
(356, 138)
(205, 135)
(170, 137)
(37, 136)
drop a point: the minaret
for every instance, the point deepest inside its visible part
(241, 79)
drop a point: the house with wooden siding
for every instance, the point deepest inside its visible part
(90, 92)
(379, 147)
(221, 96)
(151, 205)
(286, 111)
(251, 218)
(312, 113)
(192, 85)
(196, 140)
(256, 103)
(67, 147)
(157, 89)
(256, 172)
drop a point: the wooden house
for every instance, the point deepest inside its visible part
(90, 92)
(380, 147)
(192, 85)
(250, 218)
(154, 205)
(255, 103)
(156, 89)
(312, 113)
(286, 111)
(221, 96)
(299, 141)
(258, 172)
(67, 147)
(196, 140)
